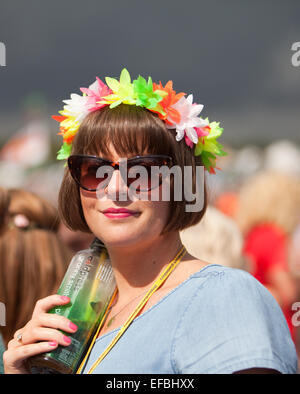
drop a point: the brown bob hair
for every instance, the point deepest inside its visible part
(33, 259)
(132, 131)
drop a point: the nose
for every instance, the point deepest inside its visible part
(117, 189)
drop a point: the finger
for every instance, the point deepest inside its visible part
(17, 333)
(30, 333)
(46, 334)
(14, 358)
(45, 304)
(14, 341)
(55, 321)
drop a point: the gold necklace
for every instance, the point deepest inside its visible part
(161, 279)
(111, 320)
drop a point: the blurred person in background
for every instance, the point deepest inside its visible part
(33, 259)
(75, 240)
(282, 156)
(227, 202)
(216, 238)
(2, 349)
(267, 213)
(294, 259)
(294, 262)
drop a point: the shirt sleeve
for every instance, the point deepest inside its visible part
(232, 323)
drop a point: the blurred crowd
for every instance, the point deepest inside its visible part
(256, 203)
(252, 222)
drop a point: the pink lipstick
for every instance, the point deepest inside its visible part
(118, 213)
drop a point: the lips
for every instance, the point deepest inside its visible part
(115, 213)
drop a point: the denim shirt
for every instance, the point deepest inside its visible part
(219, 320)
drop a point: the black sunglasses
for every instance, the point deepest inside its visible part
(88, 171)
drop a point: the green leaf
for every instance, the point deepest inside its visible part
(112, 83)
(115, 104)
(64, 151)
(208, 160)
(146, 97)
(198, 148)
(125, 78)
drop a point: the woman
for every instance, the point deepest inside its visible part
(33, 259)
(204, 318)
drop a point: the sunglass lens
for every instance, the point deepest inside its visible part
(85, 172)
(145, 173)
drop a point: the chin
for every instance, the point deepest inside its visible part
(126, 232)
(120, 239)
(126, 236)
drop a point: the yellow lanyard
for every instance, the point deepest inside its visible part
(130, 319)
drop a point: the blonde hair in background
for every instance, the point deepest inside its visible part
(32, 261)
(269, 197)
(216, 239)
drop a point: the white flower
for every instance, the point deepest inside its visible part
(188, 119)
(77, 106)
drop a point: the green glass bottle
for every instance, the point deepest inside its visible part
(89, 283)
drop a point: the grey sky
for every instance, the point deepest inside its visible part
(233, 55)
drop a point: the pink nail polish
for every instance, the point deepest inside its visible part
(67, 339)
(64, 298)
(73, 326)
(52, 343)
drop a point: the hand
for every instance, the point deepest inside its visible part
(40, 335)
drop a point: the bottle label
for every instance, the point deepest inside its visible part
(67, 355)
(89, 283)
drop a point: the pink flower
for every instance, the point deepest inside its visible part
(95, 94)
(201, 132)
(189, 121)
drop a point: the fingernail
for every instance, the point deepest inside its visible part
(73, 326)
(67, 339)
(52, 343)
(64, 298)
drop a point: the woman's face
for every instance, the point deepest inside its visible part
(136, 221)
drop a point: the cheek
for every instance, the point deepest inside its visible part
(159, 211)
(155, 217)
(149, 225)
(88, 203)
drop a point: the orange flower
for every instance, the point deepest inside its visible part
(68, 135)
(59, 118)
(171, 114)
(68, 126)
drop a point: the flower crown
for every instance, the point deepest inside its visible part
(177, 111)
